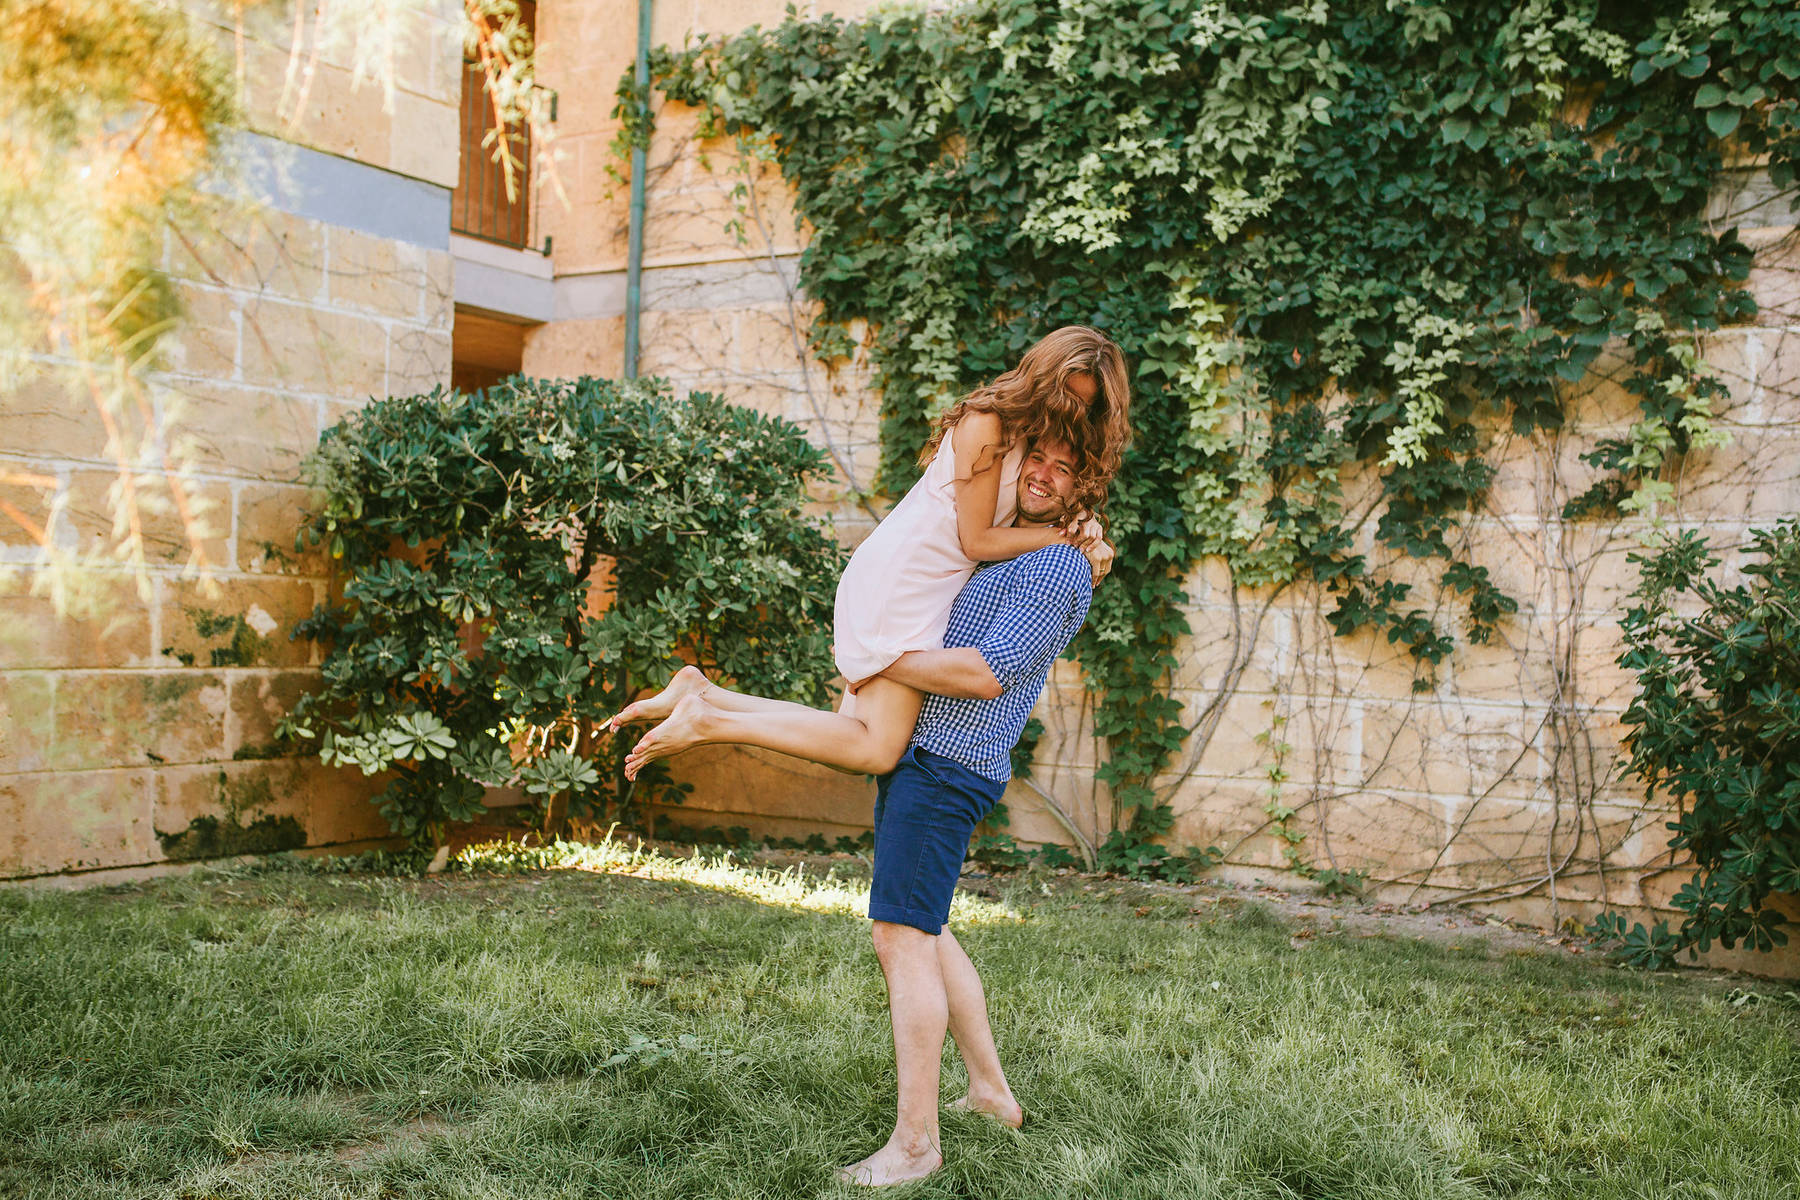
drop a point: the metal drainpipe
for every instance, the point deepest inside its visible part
(634, 260)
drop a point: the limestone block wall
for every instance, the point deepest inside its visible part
(1500, 787)
(138, 730)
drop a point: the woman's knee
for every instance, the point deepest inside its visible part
(883, 759)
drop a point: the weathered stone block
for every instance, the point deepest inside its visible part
(339, 804)
(341, 118)
(223, 809)
(1067, 713)
(1534, 476)
(740, 779)
(1598, 677)
(1234, 749)
(131, 719)
(234, 430)
(100, 511)
(1226, 813)
(429, 62)
(1525, 663)
(1363, 664)
(1446, 750)
(313, 350)
(1778, 377)
(105, 625)
(1389, 835)
(565, 349)
(1573, 567)
(1220, 644)
(1497, 840)
(255, 703)
(27, 721)
(268, 517)
(262, 250)
(768, 341)
(376, 275)
(439, 310)
(244, 622)
(418, 360)
(1755, 478)
(51, 417)
(1029, 821)
(686, 342)
(68, 821)
(208, 339)
(1775, 282)
(425, 142)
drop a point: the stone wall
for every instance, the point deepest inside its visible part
(1464, 792)
(138, 729)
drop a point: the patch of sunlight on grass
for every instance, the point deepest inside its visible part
(791, 887)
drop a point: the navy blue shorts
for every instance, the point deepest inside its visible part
(926, 808)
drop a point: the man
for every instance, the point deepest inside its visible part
(1008, 625)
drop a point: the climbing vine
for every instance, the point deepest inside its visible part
(1335, 241)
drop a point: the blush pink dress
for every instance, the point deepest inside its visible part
(895, 594)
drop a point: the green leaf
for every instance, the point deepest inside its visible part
(1723, 120)
(1710, 95)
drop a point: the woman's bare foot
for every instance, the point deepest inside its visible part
(689, 681)
(1003, 1108)
(896, 1162)
(686, 727)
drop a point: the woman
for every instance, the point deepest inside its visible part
(1070, 388)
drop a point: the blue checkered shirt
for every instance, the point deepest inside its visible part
(1019, 614)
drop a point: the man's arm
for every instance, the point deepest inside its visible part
(960, 673)
(1032, 626)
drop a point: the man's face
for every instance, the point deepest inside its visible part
(1046, 483)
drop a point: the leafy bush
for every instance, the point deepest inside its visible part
(1649, 949)
(1715, 726)
(462, 654)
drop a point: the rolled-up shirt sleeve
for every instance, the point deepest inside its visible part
(1039, 615)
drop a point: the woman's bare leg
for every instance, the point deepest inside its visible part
(692, 681)
(871, 742)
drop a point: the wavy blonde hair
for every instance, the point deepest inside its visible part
(1035, 403)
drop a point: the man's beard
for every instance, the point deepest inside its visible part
(1054, 512)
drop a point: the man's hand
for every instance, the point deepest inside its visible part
(1090, 539)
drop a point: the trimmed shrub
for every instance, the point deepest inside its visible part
(463, 654)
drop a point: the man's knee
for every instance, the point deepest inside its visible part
(893, 940)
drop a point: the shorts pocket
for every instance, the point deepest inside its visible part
(918, 759)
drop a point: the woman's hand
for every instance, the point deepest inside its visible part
(1089, 537)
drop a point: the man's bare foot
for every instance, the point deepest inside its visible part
(685, 728)
(896, 1162)
(1003, 1108)
(688, 681)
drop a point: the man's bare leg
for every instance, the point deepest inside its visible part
(921, 1014)
(871, 742)
(988, 1089)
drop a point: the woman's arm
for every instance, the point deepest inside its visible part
(976, 443)
(959, 672)
(1090, 539)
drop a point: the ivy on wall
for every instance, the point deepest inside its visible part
(1333, 240)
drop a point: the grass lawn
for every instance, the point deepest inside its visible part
(631, 1026)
